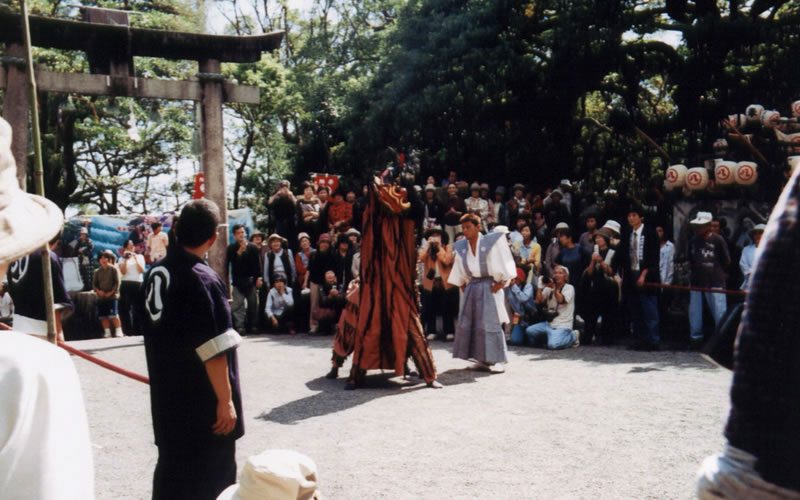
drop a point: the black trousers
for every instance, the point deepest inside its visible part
(439, 301)
(128, 290)
(196, 472)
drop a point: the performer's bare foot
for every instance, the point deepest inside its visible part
(434, 384)
(333, 373)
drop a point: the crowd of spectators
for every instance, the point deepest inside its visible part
(586, 263)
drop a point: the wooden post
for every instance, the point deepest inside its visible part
(15, 110)
(213, 159)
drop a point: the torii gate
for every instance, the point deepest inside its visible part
(110, 44)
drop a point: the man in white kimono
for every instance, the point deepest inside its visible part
(483, 267)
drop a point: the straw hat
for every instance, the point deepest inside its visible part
(275, 475)
(27, 221)
(275, 236)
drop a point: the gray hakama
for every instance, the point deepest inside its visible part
(479, 333)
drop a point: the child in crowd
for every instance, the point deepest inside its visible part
(106, 283)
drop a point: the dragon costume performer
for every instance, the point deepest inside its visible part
(380, 324)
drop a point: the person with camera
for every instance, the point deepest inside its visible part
(438, 296)
(558, 297)
(284, 209)
(131, 266)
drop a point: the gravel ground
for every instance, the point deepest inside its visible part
(591, 422)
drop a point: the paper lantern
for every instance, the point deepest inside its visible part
(753, 112)
(770, 118)
(796, 108)
(697, 178)
(746, 173)
(724, 172)
(675, 176)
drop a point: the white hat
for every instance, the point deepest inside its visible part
(566, 183)
(27, 221)
(353, 231)
(757, 228)
(613, 226)
(702, 218)
(275, 475)
(501, 229)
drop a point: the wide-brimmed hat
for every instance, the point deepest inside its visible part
(518, 186)
(324, 237)
(605, 233)
(353, 231)
(275, 236)
(614, 227)
(565, 183)
(275, 475)
(303, 235)
(484, 185)
(501, 229)
(257, 233)
(701, 219)
(561, 227)
(758, 228)
(83, 231)
(430, 187)
(437, 230)
(27, 221)
(475, 187)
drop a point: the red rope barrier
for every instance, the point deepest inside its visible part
(104, 364)
(696, 289)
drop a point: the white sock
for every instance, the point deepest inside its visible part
(118, 332)
(107, 332)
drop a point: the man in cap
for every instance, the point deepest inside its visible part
(748, 257)
(244, 259)
(709, 258)
(190, 347)
(45, 452)
(640, 254)
(558, 297)
(762, 450)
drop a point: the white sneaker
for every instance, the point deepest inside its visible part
(450, 337)
(431, 336)
(577, 336)
(118, 333)
(107, 334)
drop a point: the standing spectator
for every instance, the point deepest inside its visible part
(308, 211)
(454, 209)
(540, 229)
(343, 262)
(433, 213)
(573, 257)
(586, 239)
(279, 259)
(438, 296)
(245, 271)
(303, 293)
(748, 258)
(600, 283)
(85, 252)
(340, 214)
(320, 262)
(283, 206)
(257, 239)
(106, 283)
(6, 305)
(709, 258)
(520, 204)
(530, 253)
(323, 195)
(555, 208)
(477, 205)
(558, 296)
(499, 209)
(452, 178)
(280, 305)
(666, 264)
(355, 244)
(190, 347)
(131, 267)
(639, 249)
(157, 243)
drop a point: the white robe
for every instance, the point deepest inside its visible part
(499, 263)
(45, 453)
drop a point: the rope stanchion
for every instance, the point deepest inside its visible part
(104, 364)
(696, 289)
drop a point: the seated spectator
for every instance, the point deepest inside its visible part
(106, 283)
(330, 304)
(522, 302)
(438, 296)
(600, 285)
(558, 297)
(280, 305)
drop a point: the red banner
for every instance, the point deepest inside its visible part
(199, 187)
(329, 180)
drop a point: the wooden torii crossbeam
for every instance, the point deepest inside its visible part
(110, 44)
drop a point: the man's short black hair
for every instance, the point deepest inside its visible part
(237, 227)
(197, 223)
(326, 188)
